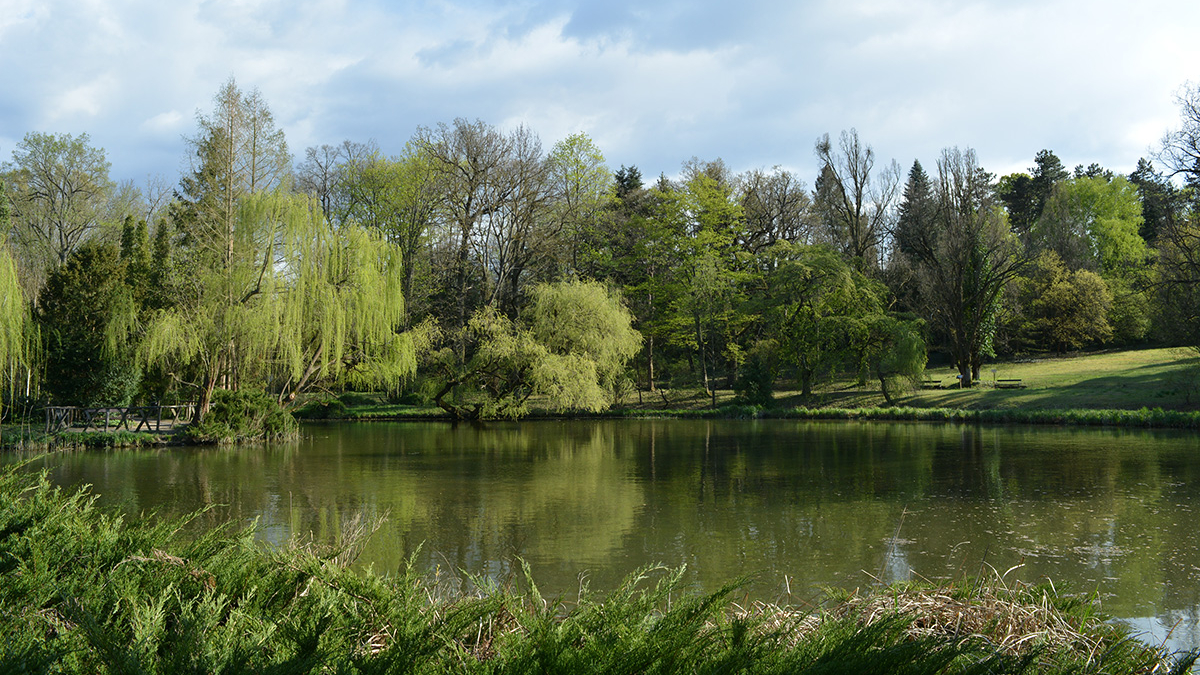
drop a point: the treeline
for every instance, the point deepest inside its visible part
(477, 269)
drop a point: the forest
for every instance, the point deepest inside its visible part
(478, 271)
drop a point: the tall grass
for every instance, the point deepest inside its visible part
(84, 591)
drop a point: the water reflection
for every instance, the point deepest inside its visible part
(801, 505)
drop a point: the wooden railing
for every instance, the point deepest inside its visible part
(133, 418)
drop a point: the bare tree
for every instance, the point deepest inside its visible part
(60, 189)
(320, 174)
(1180, 150)
(856, 206)
(520, 236)
(776, 207)
(469, 161)
(1178, 238)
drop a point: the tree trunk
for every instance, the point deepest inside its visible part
(883, 386)
(650, 361)
(206, 394)
(806, 379)
(703, 360)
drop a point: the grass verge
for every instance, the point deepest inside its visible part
(82, 591)
(1153, 388)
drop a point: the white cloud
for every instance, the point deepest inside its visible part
(171, 121)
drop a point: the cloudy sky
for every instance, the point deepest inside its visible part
(654, 83)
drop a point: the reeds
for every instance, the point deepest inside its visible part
(83, 591)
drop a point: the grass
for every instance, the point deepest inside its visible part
(1167, 378)
(1149, 387)
(83, 591)
(1125, 380)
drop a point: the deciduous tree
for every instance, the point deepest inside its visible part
(857, 205)
(775, 207)
(59, 190)
(964, 258)
(300, 303)
(570, 347)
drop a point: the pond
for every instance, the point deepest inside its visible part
(799, 506)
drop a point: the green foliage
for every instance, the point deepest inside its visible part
(824, 314)
(243, 415)
(1017, 192)
(1064, 309)
(584, 319)
(86, 314)
(1095, 224)
(398, 198)
(571, 349)
(893, 349)
(299, 303)
(14, 312)
(321, 409)
(756, 379)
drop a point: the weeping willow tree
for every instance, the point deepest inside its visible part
(569, 347)
(14, 324)
(292, 303)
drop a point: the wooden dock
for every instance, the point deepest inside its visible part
(150, 418)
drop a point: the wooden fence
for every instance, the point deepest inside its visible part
(154, 418)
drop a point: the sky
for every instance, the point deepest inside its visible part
(652, 82)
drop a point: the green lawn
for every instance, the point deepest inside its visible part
(1128, 380)
(1119, 380)
(1125, 380)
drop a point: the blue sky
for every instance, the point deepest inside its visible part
(653, 83)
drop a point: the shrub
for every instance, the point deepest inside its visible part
(243, 415)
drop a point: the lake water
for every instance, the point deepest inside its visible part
(798, 505)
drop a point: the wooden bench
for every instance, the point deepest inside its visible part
(931, 384)
(1010, 384)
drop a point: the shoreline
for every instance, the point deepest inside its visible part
(1144, 418)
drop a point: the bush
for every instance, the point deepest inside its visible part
(243, 415)
(756, 380)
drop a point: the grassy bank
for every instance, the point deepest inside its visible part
(1119, 380)
(82, 591)
(1154, 388)
(1151, 418)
